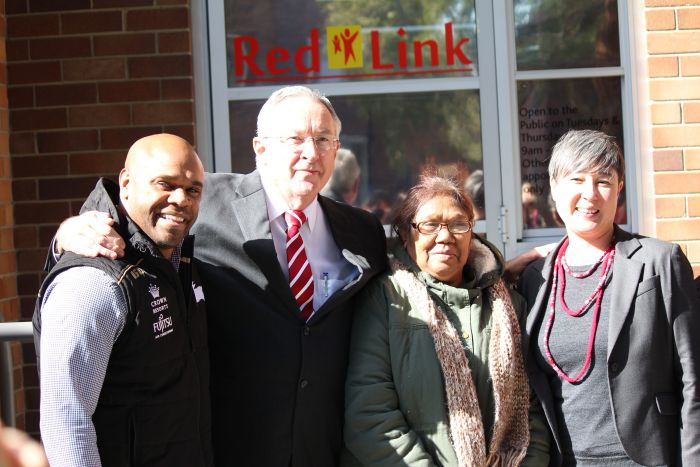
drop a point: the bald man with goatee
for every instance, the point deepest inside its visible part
(122, 345)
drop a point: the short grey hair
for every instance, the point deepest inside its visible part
(345, 173)
(586, 151)
(289, 92)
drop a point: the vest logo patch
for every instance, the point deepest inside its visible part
(198, 292)
(163, 326)
(159, 306)
(154, 290)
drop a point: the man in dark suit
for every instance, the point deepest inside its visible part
(277, 378)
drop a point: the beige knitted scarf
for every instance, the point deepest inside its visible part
(511, 434)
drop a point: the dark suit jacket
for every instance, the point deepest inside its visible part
(277, 382)
(653, 350)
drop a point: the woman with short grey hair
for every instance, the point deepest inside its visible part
(611, 341)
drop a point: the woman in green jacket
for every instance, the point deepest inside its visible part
(436, 374)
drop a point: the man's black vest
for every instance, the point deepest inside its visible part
(154, 405)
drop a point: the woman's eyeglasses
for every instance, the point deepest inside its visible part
(432, 228)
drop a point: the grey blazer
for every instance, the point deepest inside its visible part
(653, 350)
(277, 382)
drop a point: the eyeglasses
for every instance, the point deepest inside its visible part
(322, 143)
(433, 228)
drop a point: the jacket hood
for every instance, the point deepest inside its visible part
(485, 263)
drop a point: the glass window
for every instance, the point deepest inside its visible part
(330, 41)
(368, 44)
(393, 137)
(583, 39)
(546, 110)
(478, 89)
(566, 34)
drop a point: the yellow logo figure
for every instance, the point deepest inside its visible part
(344, 46)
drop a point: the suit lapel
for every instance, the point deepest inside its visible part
(625, 272)
(346, 239)
(250, 209)
(537, 315)
(539, 307)
(345, 235)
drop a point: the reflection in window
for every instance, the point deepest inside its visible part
(547, 110)
(394, 136)
(566, 34)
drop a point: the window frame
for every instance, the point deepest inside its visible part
(496, 82)
(516, 239)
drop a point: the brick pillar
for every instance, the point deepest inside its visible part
(86, 78)
(673, 41)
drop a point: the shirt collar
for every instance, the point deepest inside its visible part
(176, 255)
(277, 206)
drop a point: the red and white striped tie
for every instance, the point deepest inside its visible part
(301, 280)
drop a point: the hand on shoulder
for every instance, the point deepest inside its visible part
(90, 234)
(515, 266)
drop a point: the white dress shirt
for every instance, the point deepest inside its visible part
(331, 271)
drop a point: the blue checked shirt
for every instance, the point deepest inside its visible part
(83, 313)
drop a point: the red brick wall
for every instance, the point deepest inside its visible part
(86, 78)
(9, 302)
(673, 42)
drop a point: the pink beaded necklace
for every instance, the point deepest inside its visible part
(559, 267)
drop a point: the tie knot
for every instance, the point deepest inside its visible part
(294, 218)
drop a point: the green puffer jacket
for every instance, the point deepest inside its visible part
(396, 408)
